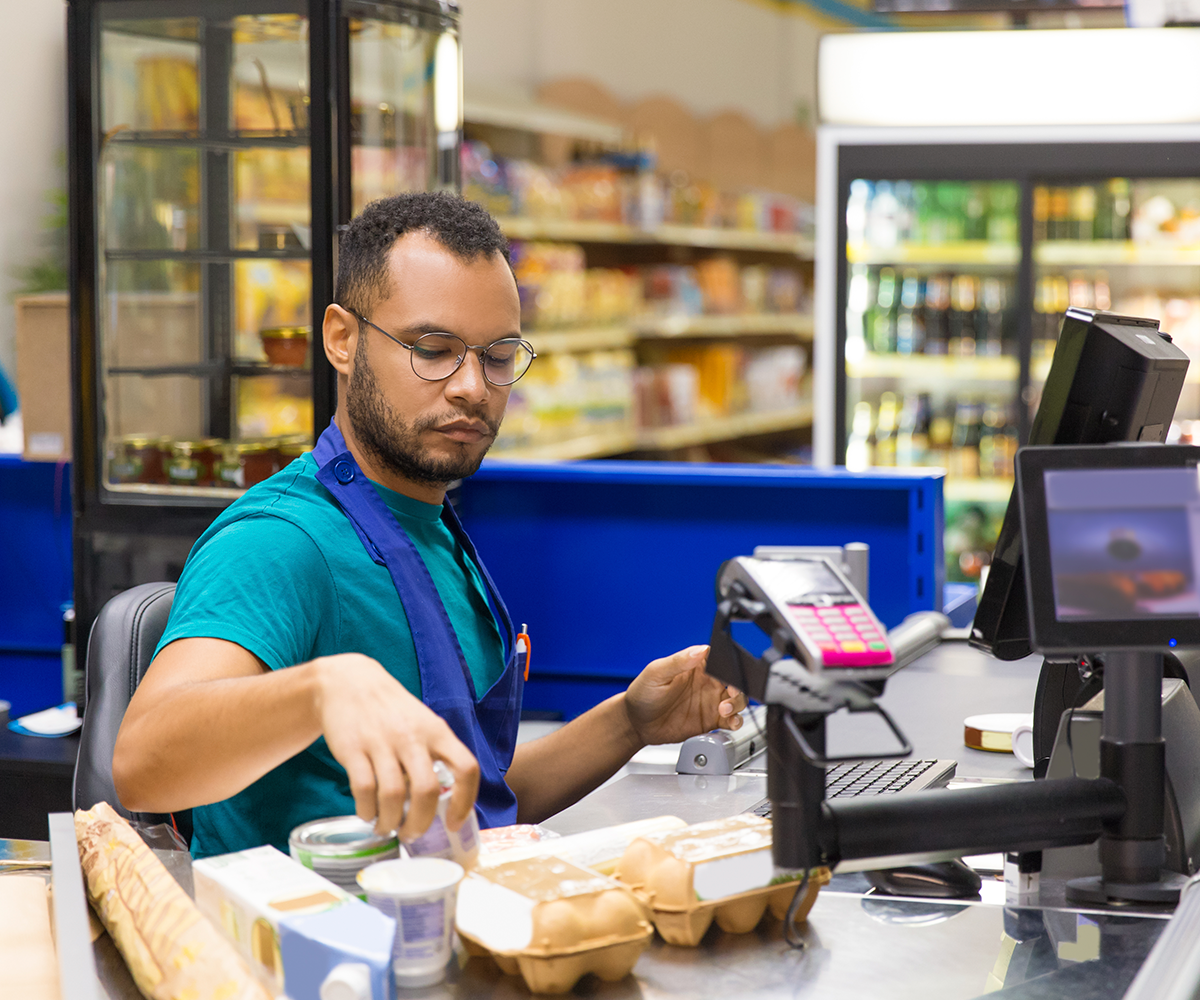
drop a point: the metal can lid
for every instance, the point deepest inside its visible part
(285, 332)
(339, 836)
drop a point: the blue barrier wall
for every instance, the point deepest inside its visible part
(613, 563)
(35, 580)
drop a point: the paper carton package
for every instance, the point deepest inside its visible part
(599, 849)
(552, 921)
(262, 897)
(719, 870)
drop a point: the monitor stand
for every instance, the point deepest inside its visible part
(1133, 756)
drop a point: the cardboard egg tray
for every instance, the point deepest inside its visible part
(720, 870)
(552, 922)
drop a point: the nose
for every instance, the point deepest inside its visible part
(468, 383)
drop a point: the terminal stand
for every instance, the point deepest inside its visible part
(1132, 756)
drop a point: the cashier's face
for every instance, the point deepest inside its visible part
(432, 432)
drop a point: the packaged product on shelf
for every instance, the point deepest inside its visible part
(666, 395)
(720, 285)
(774, 377)
(550, 282)
(672, 290)
(720, 389)
(593, 191)
(785, 290)
(611, 294)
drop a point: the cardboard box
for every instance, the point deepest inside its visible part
(44, 375)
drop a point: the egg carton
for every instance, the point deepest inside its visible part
(552, 922)
(720, 870)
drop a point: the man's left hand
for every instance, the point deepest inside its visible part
(673, 699)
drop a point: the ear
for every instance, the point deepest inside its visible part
(340, 333)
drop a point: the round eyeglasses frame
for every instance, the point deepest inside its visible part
(461, 355)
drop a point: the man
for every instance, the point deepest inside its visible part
(333, 632)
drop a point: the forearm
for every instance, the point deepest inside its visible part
(206, 740)
(553, 772)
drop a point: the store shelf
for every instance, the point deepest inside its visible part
(166, 490)
(947, 254)
(1095, 253)
(584, 339)
(694, 236)
(208, 256)
(934, 367)
(662, 438)
(746, 324)
(724, 429)
(207, 369)
(585, 446)
(978, 490)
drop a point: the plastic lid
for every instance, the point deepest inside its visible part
(408, 876)
(347, 981)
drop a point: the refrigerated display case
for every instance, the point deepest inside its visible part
(214, 149)
(945, 259)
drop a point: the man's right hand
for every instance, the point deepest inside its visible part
(387, 740)
(209, 719)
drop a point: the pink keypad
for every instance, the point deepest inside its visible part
(845, 634)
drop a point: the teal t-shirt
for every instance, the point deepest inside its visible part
(282, 573)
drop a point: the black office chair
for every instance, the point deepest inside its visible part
(120, 647)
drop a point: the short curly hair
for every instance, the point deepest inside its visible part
(462, 227)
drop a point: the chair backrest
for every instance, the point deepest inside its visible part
(120, 648)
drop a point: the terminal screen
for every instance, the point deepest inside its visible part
(1123, 543)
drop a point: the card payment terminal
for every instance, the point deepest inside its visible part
(822, 614)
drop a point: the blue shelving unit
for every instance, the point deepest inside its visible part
(613, 563)
(35, 580)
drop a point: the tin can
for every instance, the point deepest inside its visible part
(461, 845)
(339, 848)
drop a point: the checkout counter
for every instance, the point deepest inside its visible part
(858, 944)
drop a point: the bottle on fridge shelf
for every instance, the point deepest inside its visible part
(992, 301)
(974, 213)
(997, 442)
(962, 315)
(857, 205)
(1118, 190)
(937, 305)
(883, 319)
(859, 456)
(858, 309)
(910, 323)
(1041, 214)
(964, 442)
(1059, 226)
(883, 217)
(885, 430)
(1003, 204)
(906, 431)
(1083, 213)
(941, 430)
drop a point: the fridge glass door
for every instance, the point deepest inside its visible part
(203, 214)
(931, 353)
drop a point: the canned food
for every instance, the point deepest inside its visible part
(286, 346)
(245, 463)
(339, 848)
(461, 845)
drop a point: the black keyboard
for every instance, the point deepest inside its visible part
(871, 777)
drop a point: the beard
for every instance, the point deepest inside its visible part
(393, 442)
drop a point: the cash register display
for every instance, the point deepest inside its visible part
(1111, 536)
(1122, 543)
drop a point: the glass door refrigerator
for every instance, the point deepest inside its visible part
(214, 148)
(945, 260)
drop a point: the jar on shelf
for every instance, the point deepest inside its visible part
(245, 463)
(192, 462)
(286, 346)
(138, 458)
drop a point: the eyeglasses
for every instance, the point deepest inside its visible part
(437, 356)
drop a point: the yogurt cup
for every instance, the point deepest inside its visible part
(420, 895)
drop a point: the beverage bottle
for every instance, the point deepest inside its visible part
(941, 429)
(1118, 188)
(1060, 214)
(883, 321)
(1041, 214)
(858, 446)
(975, 213)
(922, 209)
(991, 442)
(992, 301)
(885, 430)
(1104, 212)
(1083, 213)
(964, 442)
(962, 315)
(1002, 224)
(910, 325)
(859, 308)
(920, 445)
(883, 217)
(937, 305)
(905, 215)
(906, 430)
(857, 205)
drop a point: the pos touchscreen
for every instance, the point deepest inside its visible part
(1112, 546)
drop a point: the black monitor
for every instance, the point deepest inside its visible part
(1111, 539)
(1113, 378)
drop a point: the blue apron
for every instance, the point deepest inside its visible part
(487, 726)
